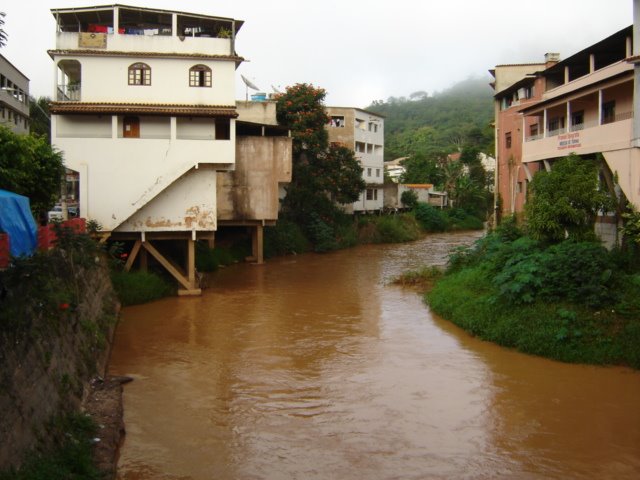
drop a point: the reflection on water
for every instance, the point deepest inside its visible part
(312, 367)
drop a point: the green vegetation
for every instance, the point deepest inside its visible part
(210, 259)
(422, 278)
(56, 310)
(567, 200)
(70, 459)
(323, 175)
(388, 229)
(550, 289)
(138, 287)
(445, 122)
(29, 166)
(543, 302)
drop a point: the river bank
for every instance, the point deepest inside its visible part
(572, 301)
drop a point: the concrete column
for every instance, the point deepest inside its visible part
(566, 74)
(592, 63)
(257, 244)
(544, 123)
(114, 126)
(191, 262)
(600, 107)
(116, 20)
(636, 74)
(174, 25)
(173, 128)
(568, 121)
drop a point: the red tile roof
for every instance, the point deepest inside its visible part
(144, 108)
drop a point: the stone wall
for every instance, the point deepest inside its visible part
(49, 351)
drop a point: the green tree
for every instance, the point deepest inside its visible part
(409, 199)
(29, 166)
(39, 117)
(422, 168)
(322, 174)
(566, 200)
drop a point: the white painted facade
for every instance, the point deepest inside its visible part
(147, 151)
(363, 132)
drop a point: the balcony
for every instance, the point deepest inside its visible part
(68, 93)
(583, 138)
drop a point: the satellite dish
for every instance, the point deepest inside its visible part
(248, 83)
(275, 90)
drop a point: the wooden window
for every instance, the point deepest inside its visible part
(131, 127)
(507, 139)
(199, 76)
(139, 74)
(223, 129)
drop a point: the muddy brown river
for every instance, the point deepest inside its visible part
(314, 367)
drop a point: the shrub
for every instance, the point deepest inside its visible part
(409, 199)
(139, 287)
(321, 234)
(430, 218)
(283, 239)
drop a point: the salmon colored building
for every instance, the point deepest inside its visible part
(583, 104)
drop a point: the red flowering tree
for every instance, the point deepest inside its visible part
(322, 174)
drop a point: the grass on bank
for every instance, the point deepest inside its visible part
(70, 456)
(571, 301)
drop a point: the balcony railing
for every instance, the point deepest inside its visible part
(581, 126)
(69, 93)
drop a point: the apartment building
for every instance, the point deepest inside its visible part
(516, 86)
(144, 110)
(363, 132)
(583, 104)
(14, 97)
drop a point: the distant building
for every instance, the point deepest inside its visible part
(394, 169)
(363, 132)
(14, 97)
(424, 192)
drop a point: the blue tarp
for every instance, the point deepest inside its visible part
(17, 221)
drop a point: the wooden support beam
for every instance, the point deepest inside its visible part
(260, 244)
(191, 261)
(184, 281)
(132, 255)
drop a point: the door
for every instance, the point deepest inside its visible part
(131, 127)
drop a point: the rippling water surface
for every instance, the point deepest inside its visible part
(313, 367)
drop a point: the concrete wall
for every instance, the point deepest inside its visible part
(257, 112)
(44, 371)
(118, 176)
(156, 43)
(169, 80)
(251, 191)
(187, 204)
(14, 101)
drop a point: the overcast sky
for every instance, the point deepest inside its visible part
(357, 50)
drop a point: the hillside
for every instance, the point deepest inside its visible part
(440, 123)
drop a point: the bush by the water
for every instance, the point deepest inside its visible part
(285, 238)
(209, 259)
(431, 219)
(388, 229)
(139, 287)
(565, 301)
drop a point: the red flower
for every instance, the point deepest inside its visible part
(64, 306)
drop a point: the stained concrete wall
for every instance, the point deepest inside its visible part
(251, 191)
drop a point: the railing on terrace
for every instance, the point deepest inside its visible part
(69, 93)
(581, 126)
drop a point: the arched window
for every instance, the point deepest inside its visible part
(199, 76)
(139, 74)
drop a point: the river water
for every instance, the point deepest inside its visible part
(314, 367)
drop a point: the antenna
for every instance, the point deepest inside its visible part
(249, 85)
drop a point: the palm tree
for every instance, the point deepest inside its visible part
(3, 34)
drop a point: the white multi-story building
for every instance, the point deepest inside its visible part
(363, 132)
(14, 98)
(144, 110)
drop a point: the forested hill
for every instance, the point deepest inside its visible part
(442, 123)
